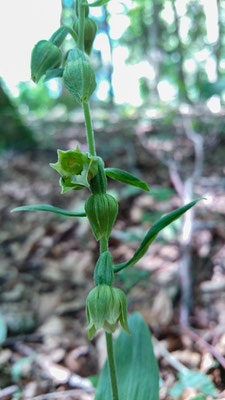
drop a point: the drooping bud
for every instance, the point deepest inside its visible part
(90, 29)
(101, 210)
(76, 169)
(79, 79)
(45, 56)
(105, 307)
(75, 54)
(103, 274)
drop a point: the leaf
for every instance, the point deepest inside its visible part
(54, 73)
(19, 366)
(137, 368)
(97, 3)
(123, 176)
(49, 208)
(59, 36)
(3, 329)
(153, 232)
(194, 379)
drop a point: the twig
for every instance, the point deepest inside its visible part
(4, 393)
(55, 395)
(202, 343)
(171, 359)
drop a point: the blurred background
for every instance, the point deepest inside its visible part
(158, 112)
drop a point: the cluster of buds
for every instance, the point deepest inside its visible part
(48, 61)
(106, 306)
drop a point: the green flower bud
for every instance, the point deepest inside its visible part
(99, 182)
(79, 79)
(105, 307)
(103, 274)
(75, 54)
(76, 169)
(90, 29)
(101, 210)
(45, 56)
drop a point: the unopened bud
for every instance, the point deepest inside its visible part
(45, 56)
(90, 29)
(105, 307)
(101, 210)
(79, 79)
(103, 274)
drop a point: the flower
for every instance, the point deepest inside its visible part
(105, 307)
(76, 169)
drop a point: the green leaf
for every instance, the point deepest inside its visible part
(153, 232)
(137, 368)
(49, 208)
(19, 366)
(123, 176)
(194, 379)
(97, 3)
(59, 36)
(54, 73)
(3, 329)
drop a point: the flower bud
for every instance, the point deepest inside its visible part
(103, 274)
(101, 210)
(90, 29)
(79, 79)
(76, 169)
(75, 54)
(105, 307)
(45, 56)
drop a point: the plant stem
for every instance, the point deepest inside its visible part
(112, 366)
(103, 245)
(81, 11)
(89, 129)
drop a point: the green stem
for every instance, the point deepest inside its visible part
(89, 129)
(112, 366)
(103, 245)
(81, 10)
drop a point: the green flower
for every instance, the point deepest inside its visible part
(76, 169)
(105, 307)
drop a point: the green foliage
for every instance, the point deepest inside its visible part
(49, 208)
(152, 234)
(195, 379)
(130, 277)
(98, 3)
(126, 177)
(18, 367)
(136, 365)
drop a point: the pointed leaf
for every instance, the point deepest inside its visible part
(49, 208)
(97, 3)
(153, 232)
(126, 177)
(137, 368)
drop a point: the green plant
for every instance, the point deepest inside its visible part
(106, 305)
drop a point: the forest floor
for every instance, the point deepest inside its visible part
(47, 262)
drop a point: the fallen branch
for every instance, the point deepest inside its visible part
(202, 343)
(8, 391)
